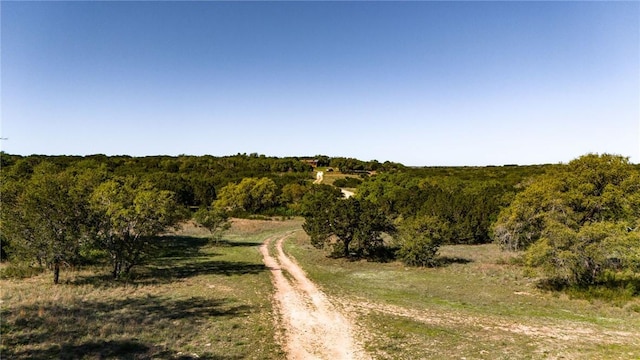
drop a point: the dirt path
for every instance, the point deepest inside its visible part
(347, 194)
(313, 327)
(554, 330)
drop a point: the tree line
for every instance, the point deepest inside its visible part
(61, 211)
(579, 222)
(418, 209)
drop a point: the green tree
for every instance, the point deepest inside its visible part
(131, 213)
(352, 227)
(419, 240)
(251, 195)
(214, 220)
(292, 195)
(316, 205)
(45, 218)
(578, 221)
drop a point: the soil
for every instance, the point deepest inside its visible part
(313, 326)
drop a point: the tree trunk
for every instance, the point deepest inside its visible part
(117, 266)
(346, 248)
(56, 272)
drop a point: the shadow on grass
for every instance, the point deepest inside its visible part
(442, 261)
(228, 268)
(120, 349)
(230, 243)
(116, 329)
(174, 246)
(177, 257)
(612, 289)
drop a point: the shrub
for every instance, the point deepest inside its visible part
(349, 182)
(20, 271)
(419, 240)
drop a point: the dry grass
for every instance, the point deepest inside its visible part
(210, 302)
(331, 176)
(214, 302)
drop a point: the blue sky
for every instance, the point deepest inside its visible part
(421, 83)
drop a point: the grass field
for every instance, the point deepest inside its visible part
(476, 306)
(209, 302)
(331, 176)
(214, 302)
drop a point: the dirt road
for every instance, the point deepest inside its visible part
(313, 327)
(347, 194)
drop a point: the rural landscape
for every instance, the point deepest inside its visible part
(320, 180)
(258, 257)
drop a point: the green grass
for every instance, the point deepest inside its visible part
(330, 177)
(213, 302)
(478, 305)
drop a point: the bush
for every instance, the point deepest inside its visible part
(20, 271)
(419, 241)
(349, 182)
(577, 222)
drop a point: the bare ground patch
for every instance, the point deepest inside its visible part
(313, 327)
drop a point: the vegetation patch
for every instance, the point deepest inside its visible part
(483, 307)
(195, 300)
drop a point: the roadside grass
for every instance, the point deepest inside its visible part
(477, 305)
(198, 300)
(213, 301)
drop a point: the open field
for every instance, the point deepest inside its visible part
(213, 302)
(331, 176)
(216, 302)
(475, 307)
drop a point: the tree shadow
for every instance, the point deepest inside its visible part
(179, 247)
(120, 349)
(175, 258)
(609, 289)
(443, 261)
(116, 349)
(230, 243)
(211, 267)
(60, 331)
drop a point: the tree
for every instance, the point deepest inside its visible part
(315, 206)
(522, 223)
(578, 221)
(355, 225)
(214, 220)
(292, 195)
(45, 218)
(419, 240)
(131, 213)
(252, 195)
(581, 257)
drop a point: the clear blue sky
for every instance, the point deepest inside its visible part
(421, 83)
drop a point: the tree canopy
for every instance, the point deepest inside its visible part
(351, 227)
(131, 212)
(578, 221)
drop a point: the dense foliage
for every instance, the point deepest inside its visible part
(351, 227)
(578, 222)
(69, 210)
(194, 180)
(348, 182)
(46, 216)
(467, 208)
(130, 213)
(419, 240)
